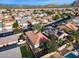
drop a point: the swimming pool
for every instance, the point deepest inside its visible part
(71, 55)
(8, 47)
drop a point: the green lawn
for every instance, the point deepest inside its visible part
(25, 52)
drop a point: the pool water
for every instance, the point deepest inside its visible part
(8, 47)
(71, 55)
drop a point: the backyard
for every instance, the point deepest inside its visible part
(25, 52)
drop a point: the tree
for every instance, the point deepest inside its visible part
(35, 12)
(63, 15)
(52, 37)
(52, 46)
(15, 25)
(57, 17)
(15, 28)
(43, 11)
(73, 38)
(76, 13)
(60, 42)
(49, 12)
(38, 27)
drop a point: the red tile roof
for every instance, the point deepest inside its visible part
(36, 38)
(69, 26)
(30, 21)
(8, 39)
(72, 26)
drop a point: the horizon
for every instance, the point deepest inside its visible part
(35, 2)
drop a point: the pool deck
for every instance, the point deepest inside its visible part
(53, 55)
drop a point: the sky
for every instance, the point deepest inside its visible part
(36, 2)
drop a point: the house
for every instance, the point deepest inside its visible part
(18, 17)
(72, 26)
(49, 18)
(8, 24)
(1, 17)
(0, 26)
(32, 21)
(35, 39)
(0, 20)
(21, 14)
(44, 21)
(28, 12)
(60, 34)
(68, 27)
(76, 20)
(9, 40)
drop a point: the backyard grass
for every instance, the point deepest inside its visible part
(25, 52)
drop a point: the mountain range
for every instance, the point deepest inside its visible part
(49, 5)
(75, 3)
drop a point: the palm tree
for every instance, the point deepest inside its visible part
(57, 15)
(38, 27)
(63, 15)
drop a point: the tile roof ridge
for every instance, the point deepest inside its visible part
(38, 36)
